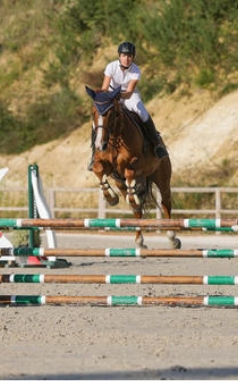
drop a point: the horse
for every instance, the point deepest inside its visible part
(122, 153)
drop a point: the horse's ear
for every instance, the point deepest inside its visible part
(114, 93)
(90, 92)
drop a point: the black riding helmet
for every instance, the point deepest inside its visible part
(127, 48)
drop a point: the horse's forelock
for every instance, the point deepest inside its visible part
(103, 107)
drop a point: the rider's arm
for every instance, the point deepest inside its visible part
(124, 94)
(106, 83)
(130, 89)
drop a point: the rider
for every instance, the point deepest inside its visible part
(125, 73)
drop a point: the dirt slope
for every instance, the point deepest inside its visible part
(201, 136)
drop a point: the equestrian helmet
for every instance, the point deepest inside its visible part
(127, 48)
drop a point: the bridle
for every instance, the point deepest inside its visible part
(102, 124)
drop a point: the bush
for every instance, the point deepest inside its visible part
(178, 41)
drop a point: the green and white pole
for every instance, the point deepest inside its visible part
(117, 223)
(120, 279)
(210, 300)
(118, 252)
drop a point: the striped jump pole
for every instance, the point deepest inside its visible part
(119, 279)
(104, 222)
(117, 252)
(221, 229)
(210, 300)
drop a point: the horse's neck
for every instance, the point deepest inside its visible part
(129, 130)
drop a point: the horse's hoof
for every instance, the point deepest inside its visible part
(113, 201)
(140, 244)
(176, 243)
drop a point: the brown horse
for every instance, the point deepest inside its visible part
(122, 153)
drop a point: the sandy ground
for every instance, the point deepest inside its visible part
(156, 342)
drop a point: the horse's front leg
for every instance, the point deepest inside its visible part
(101, 171)
(131, 196)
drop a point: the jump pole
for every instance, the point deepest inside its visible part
(119, 279)
(99, 223)
(118, 252)
(209, 300)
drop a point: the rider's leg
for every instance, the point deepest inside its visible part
(135, 104)
(155, 138)
(90, 166)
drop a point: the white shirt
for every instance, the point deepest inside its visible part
(121, 77)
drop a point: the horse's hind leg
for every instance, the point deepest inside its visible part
(137, 212)
(166, 206)
(162, 180)
(139, 238)
(171, 234)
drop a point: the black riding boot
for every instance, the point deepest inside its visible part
(155, 139)
(90, 166)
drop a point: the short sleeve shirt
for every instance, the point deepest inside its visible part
(121, 77)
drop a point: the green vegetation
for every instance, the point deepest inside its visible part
(47, 48)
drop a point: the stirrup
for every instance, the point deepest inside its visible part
(160, 151)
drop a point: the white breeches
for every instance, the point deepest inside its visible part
(135, 104)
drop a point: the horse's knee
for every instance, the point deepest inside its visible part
(108, 192)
